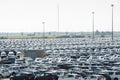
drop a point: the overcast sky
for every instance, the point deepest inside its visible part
(74, 15)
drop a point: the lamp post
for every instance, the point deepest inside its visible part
(112, 20)
(93, 23)
(58, 16)
(43, 34)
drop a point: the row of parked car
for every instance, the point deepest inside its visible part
(67, 59)
(34, 75)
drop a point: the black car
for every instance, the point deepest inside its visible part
(46, 76)
(8, 60)
(106, 76)
(23, 76)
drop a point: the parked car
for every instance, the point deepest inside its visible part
(7, 60)
(3, 54)
(11, 54)
(4, 73)
(114, 74)
(97, 77)
(46, 76)
(14, 69)
(22, 76)
(33, 71)
(71, 76)
(19, 61)
(106, 76)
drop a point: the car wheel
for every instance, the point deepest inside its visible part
(115, 78)
(1, 76)
(11, 79)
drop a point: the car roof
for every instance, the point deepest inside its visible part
(25, 72)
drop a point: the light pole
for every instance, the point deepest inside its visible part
(93, 23)
(43, 34)
(112, 20)
(58, 16)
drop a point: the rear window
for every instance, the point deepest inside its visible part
(36, 73)
(111, 73)
(30, 74)
(93, 77)
(18, 74)
(70, 76)
(117, 73)
(42, 74)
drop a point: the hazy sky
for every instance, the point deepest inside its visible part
(74, 15)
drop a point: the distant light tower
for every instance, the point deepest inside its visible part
(43, 34)
(93, 23)
(58, 16)
(112, 20)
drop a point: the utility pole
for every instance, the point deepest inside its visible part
(58, 16)
(93, 23)
(112, 20)
(43, 35)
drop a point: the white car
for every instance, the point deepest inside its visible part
(14, 69)
(3, 54)
(11, 54)
(4, 73)
(96, 77)
(71, 76)
(114, 74)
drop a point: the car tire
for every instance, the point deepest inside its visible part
(13, 73)
(1, 76)
(11, 79)
(116, 79)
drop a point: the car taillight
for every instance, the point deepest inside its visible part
(99, 79)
